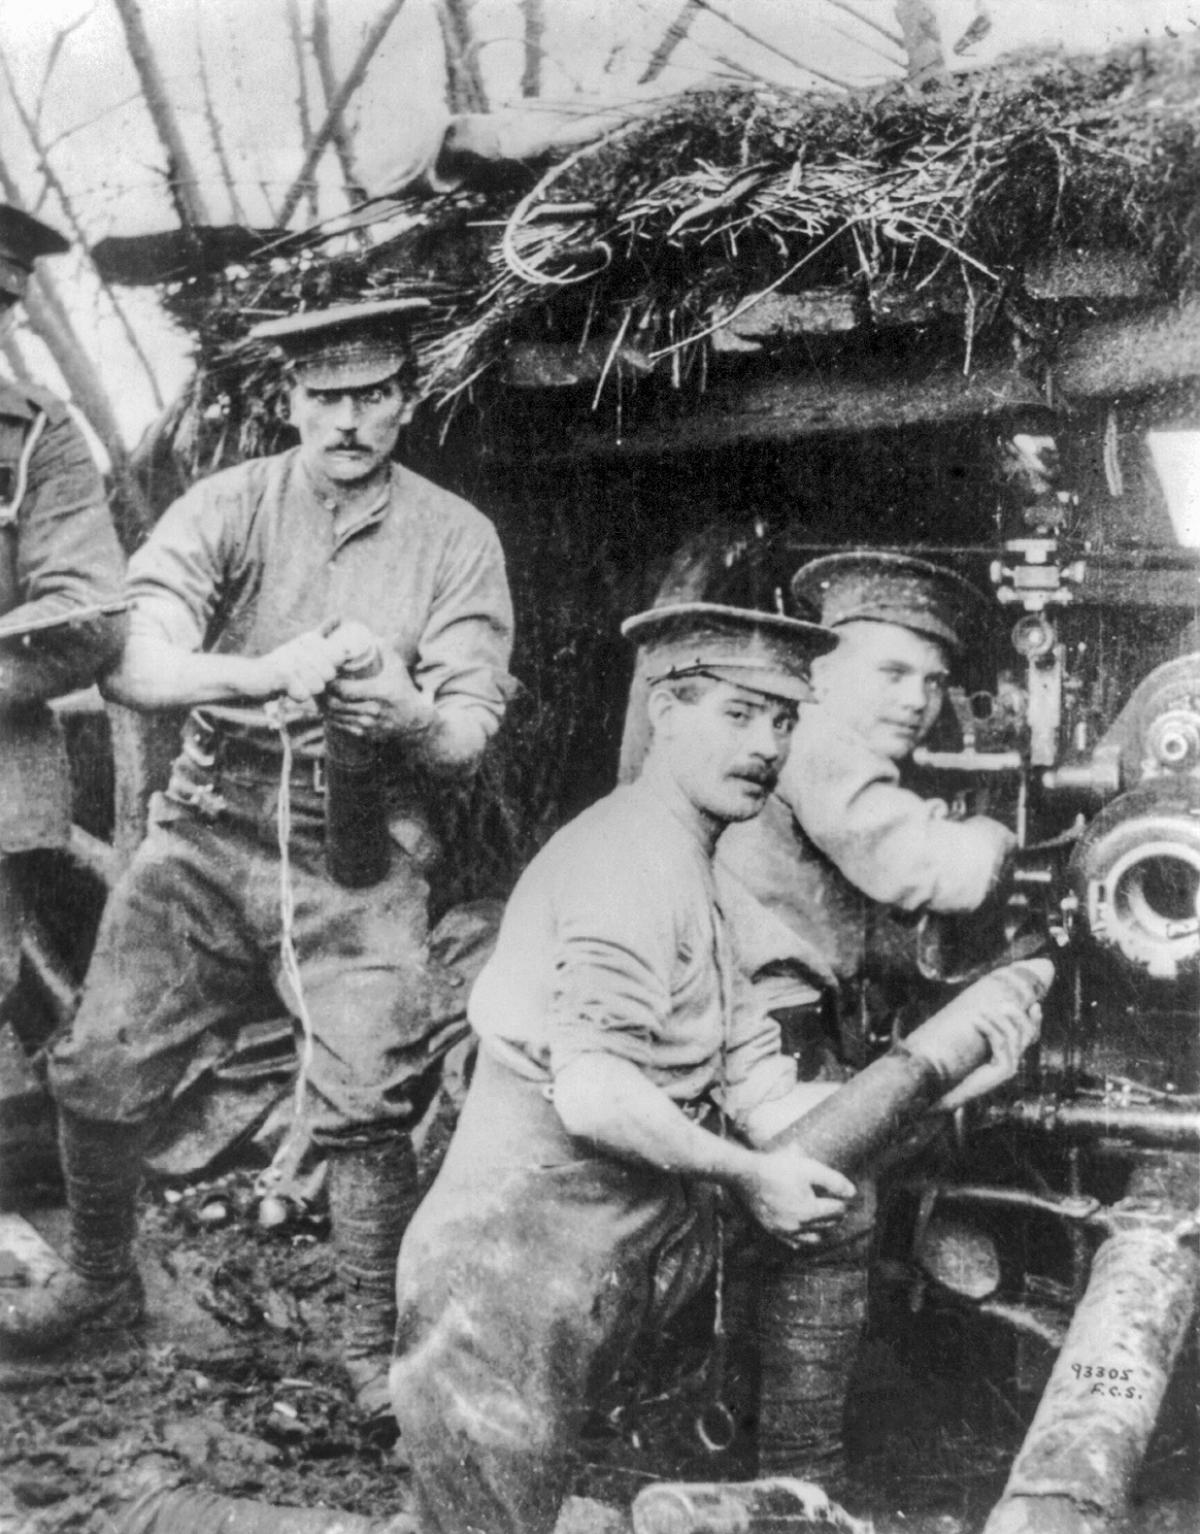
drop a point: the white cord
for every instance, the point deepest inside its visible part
(279, 1169)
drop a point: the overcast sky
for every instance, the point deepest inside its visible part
(104, 150)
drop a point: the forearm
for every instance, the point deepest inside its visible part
(448, 742)
(156, 674)
(608, 1100)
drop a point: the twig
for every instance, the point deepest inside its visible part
(808, 69)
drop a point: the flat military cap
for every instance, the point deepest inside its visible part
(888, 588)
(763, 651)
(350, 346)
(23, 239)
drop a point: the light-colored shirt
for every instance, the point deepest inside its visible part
(614, 942)
(842, 829)
(253, 557)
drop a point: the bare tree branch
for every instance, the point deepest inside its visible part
(788, 58)
(56, 48)
(867, 21)
(337, 106)
(181, 176)
(296, 33)
(214, 127)
(54, 184)
(670, 40)
(534, 15)
(464, 82)
(342, 143)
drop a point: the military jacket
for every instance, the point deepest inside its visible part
(58, 552)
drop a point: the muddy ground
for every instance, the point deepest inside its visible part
(232, 1385)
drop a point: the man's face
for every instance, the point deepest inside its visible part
(884, 682)
(347, 435)
(726, 748)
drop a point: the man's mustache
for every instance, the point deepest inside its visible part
(765, 777)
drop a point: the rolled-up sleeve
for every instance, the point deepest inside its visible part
(896, 847)
(462, 664)
(176, 576)
(612, 962)
(67, 558)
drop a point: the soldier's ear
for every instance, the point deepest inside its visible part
(659, 703)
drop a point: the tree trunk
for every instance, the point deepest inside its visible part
(342, 145)
(534, 14)
(465, 86)
(181, 175)
(922, 40)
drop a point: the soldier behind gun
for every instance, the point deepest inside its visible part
(60, 567)
(267, 583)
(843, 840)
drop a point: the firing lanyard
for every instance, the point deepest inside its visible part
(291, 1147)
(714, 1425)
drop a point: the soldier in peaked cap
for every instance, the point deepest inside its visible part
(574, 1206)
(269, 583)
(842, 841)
(59, 563)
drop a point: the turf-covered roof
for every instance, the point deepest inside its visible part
(653, 243)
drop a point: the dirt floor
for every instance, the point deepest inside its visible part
(232, 1385)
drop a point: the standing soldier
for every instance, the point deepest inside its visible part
(842, 839)
(60, 565)
(357, 599)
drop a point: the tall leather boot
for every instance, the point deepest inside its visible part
(372, 1194)
(99, 1285)
(811, 1318)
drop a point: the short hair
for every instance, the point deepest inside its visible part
(685, 689)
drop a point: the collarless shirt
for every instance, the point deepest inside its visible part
(255, 556)
(614, 942)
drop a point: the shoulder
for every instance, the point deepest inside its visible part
(627, 839)
(239, 486)
(826, 754)
(455, 517)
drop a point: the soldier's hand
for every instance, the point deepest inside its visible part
(794, 1197)
(302, 668)
(385, 705)
(1000, 1014)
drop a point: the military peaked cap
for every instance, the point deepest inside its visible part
(762, 651)
(888, 588)
(23, 239)
(350, 346)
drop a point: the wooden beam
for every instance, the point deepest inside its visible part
(1158, 348)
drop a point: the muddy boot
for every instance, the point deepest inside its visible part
(811, 1319)
(98, 1286)
(372, 1194)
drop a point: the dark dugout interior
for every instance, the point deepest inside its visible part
(592, 526)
